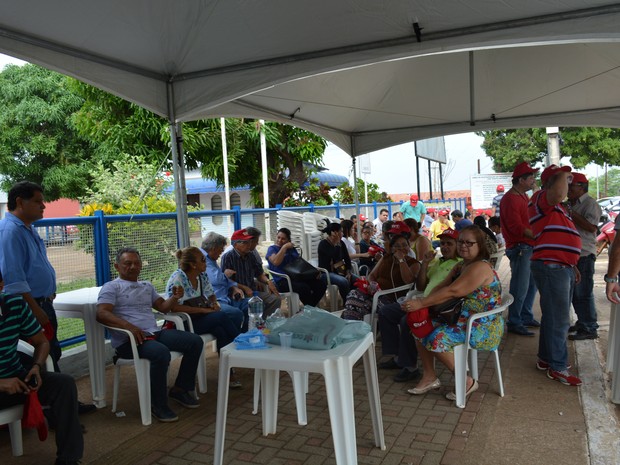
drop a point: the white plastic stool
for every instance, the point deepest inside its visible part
(335, 365)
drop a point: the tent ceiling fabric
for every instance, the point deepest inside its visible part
(479, 63)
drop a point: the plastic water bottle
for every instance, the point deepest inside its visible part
(255, 311)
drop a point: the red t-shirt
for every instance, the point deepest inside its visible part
(514, 219)
(556, 237)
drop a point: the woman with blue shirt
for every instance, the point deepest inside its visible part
(279, 255)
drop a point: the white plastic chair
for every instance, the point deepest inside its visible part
(371, 318)
(12, 416)
(142, 368)
(292, 298)
(496, 258)
(461, 351)
(332, 290)
(208, 339)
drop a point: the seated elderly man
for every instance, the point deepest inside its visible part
(127, 303)
(56, 390)
(227, 292)
(247, 265)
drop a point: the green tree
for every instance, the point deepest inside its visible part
(38, 141)
(346, 194)
(117, 125)
(582, 146)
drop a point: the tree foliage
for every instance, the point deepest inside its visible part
(38, 141)
(346, 193)
(582, 146)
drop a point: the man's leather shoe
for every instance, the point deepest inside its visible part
(572, 329)
(583, 335)
(406, 375)
(520, 330)
(86, 408)
(390, 365)
(532, 324)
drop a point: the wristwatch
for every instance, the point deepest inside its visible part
(610, 280)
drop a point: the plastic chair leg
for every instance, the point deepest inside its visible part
(460, 374)
(498, 371)
(473, 363)
(143, 380)
(117, 376)
(201, 373)
(17, 445)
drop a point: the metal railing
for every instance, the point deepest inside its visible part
(82, 249)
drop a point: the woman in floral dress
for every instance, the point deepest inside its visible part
(476, 280)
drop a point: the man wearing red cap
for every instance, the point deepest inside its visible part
(585, 213)
(497, 200)
(245, 261)
(414, 209)
(519, 246)
(439, 226)
(556, 253)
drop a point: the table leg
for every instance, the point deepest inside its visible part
(270, 383)
(300, 387)
(339, 388)
(95, 344)
(374, 396)
(222, 407)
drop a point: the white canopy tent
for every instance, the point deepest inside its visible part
(365, 74)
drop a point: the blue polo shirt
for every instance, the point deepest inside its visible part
(23, 260)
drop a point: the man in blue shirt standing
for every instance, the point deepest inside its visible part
(414, 209)
(24, 263)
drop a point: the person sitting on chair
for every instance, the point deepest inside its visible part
(279, 255)
(127, 303)
(476, 281)
(56, 390)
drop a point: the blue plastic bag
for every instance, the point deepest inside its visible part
(252, 340)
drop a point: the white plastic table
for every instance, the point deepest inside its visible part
(82, 303)
(335, 365)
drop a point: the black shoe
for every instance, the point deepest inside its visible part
(573, 329)
(583, 335)
(520, 330)
(406, 375)
(532, 324)
(183, 398)
(86, 408)
(164, 414)
(390, 365)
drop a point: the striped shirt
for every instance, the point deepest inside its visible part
(556, 238)
(247, 266)
(17, 321)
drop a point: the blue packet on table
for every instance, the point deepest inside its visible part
(254, 339)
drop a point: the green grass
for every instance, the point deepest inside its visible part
(71, 327)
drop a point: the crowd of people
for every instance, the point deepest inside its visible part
(548, 236)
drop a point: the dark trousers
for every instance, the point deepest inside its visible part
(58, 391)
(310, 291)
(157, 351)
(396, 337)
(217, 323)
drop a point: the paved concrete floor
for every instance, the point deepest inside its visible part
(538, 421)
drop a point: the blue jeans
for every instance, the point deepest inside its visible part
(396, 337)
(237, 311)
(555, 283)
(343, 284)
(583, 296)
(157, 351)
(217, 323)
(522, 285)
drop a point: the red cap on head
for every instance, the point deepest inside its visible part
(413, 199)
(552, 170)
(431, 210)
(399, 227)
(363, 218)
(451, 233)
(500, 188)
(444, 212)
(579, 178)
(522, 169)
(241, 235)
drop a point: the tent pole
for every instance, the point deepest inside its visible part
(178, 171)
(225, 163)
(263, 159)
(355, 187)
